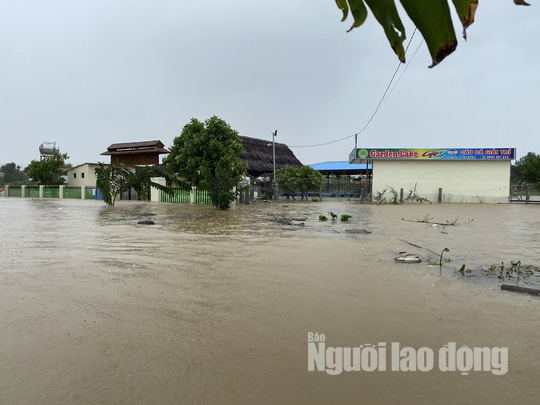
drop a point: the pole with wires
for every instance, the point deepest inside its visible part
(274, 134)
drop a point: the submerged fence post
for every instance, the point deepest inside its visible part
(400, 195)
(527, 196)
(192, 195)
(6, 193)
(61, 191)
(320, 193)
(83, 192)
(41, 188)
(440, 195)
(23, 191)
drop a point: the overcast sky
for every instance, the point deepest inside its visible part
(88, 73)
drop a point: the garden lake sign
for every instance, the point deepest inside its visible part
(360, 155)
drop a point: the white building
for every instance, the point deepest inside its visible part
(445, 175)
(82, 175)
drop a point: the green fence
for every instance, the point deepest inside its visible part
(51, 192)
(14, 191)
(176, 195)
(89, 193)
(72, 192)
(32, 192)
(203, 197)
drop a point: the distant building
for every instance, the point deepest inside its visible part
(136, 153)
(457, 175)
(259, 156)
(82, 175)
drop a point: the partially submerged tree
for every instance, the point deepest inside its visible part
(431, 17)
(47, 171)
(304, 179)
(287, 179)
(207, 155)
(114, 179)
(310, 180)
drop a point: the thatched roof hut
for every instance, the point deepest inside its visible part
(258, 153)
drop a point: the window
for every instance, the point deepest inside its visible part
(82, 175)
(74, 175)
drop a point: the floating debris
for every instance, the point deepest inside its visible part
(145, 223)
(357, 231)
(515, 288)
(408, 258)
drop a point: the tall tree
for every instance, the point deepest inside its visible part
(207, 155)
(527, 169)
(47, 171)
(12, 174)
(531, 168)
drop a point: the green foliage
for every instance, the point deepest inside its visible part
(12, 174)
(323, 218)
(207, 155)
(288, 179)
(309, 179)
(345, 217)
(112, 180)
(440, 259)
(47, 171)
(531, 168)
(526, 169)
(432, 18)
(304, 179)
(264, 197)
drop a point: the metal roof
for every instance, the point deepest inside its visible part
(343, 167)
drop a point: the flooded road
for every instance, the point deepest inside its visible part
(212, 307)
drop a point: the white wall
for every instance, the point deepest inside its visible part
(478, 181)
(89, 179)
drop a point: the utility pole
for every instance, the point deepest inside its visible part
(274, 134)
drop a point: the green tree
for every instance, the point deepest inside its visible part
(310, 180)
(526, 169)
(531, 168)
(47, 171)
(431, 17)
(12, 174)
(287, 179)
(207, 155)
(304, 179)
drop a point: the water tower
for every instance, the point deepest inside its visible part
(47, 150)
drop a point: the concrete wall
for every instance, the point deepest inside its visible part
(471, 181)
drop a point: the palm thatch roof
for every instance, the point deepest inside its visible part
(258, 153)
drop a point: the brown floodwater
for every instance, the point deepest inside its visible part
(212, 307)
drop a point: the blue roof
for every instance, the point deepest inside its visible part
(340, 166)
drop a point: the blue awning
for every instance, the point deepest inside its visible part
(343, 167)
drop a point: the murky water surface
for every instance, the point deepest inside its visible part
(215, 307)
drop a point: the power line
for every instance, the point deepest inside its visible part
(381, 102)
